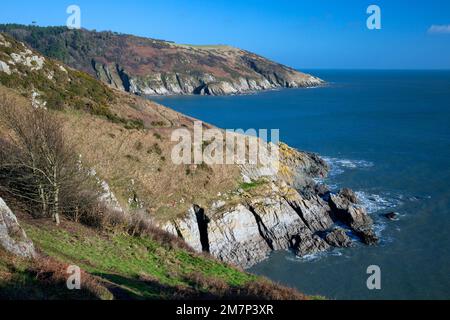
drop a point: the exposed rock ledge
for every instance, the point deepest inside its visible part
(172, 83)
(12, 237)
(277, 216)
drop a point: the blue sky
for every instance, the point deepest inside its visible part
(302, 33)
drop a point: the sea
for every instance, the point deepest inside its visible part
(386, 135)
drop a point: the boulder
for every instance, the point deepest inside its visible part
(349, 195)
(12, 237)
(305, 244)
(367, 236)
(338, 238)
(344, 209)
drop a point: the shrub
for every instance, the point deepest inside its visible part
(40, 166)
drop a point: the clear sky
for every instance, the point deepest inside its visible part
(415, 34)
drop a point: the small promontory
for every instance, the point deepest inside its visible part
(147, 66)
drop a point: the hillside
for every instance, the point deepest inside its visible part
(122, 256)
(238, 214)
(155, 67)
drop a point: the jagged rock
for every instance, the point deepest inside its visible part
(345, 210)
(12, 237)
(234, 236)
(28, 59)
(322, 190)
(367, 236)
(306, 243)
(278, 222)
(276, 217)
(349, 195)
(108, 198)
(246, 234)
(299, 168)
(186, 228)
(338, 238)
(314, 212)
(393, 216)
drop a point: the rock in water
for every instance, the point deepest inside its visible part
(12, 236)
(367, 236)
(393, 216)
(345, 209)
(349, 195)
(304, 244)
(338, 238)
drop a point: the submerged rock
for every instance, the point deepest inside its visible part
(393, 216)
(12, 237)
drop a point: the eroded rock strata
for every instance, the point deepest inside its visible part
(295, 213)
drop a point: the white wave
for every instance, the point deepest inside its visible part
(338, 166)
(314, 256)
(375, 202)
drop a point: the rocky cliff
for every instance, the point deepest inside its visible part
(154, 67)
(277, 214)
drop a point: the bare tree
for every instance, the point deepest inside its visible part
(39, 165)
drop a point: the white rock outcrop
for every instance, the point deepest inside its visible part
(5, 68)
(12, 237)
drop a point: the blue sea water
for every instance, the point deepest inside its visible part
(387, 136)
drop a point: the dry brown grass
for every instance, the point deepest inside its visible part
(49, 271)
(44, 278)
(147, 173)
(260, 289)
(165, 189)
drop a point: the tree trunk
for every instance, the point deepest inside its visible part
(43, 200)
(55, 197)
(56, 206)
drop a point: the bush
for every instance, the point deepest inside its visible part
(137, 224)
(40, 166)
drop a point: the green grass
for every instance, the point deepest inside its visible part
(19, 281)
(126, 261)
(252, 185)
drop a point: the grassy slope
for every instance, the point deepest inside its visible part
(119, 266)
(140, 267)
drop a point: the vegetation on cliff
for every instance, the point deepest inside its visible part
(123, 255)
(149, 66)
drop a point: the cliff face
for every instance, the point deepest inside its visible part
(276, 216)
(155, 67)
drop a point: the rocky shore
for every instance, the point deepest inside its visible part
(191, 83)
(297, 214)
